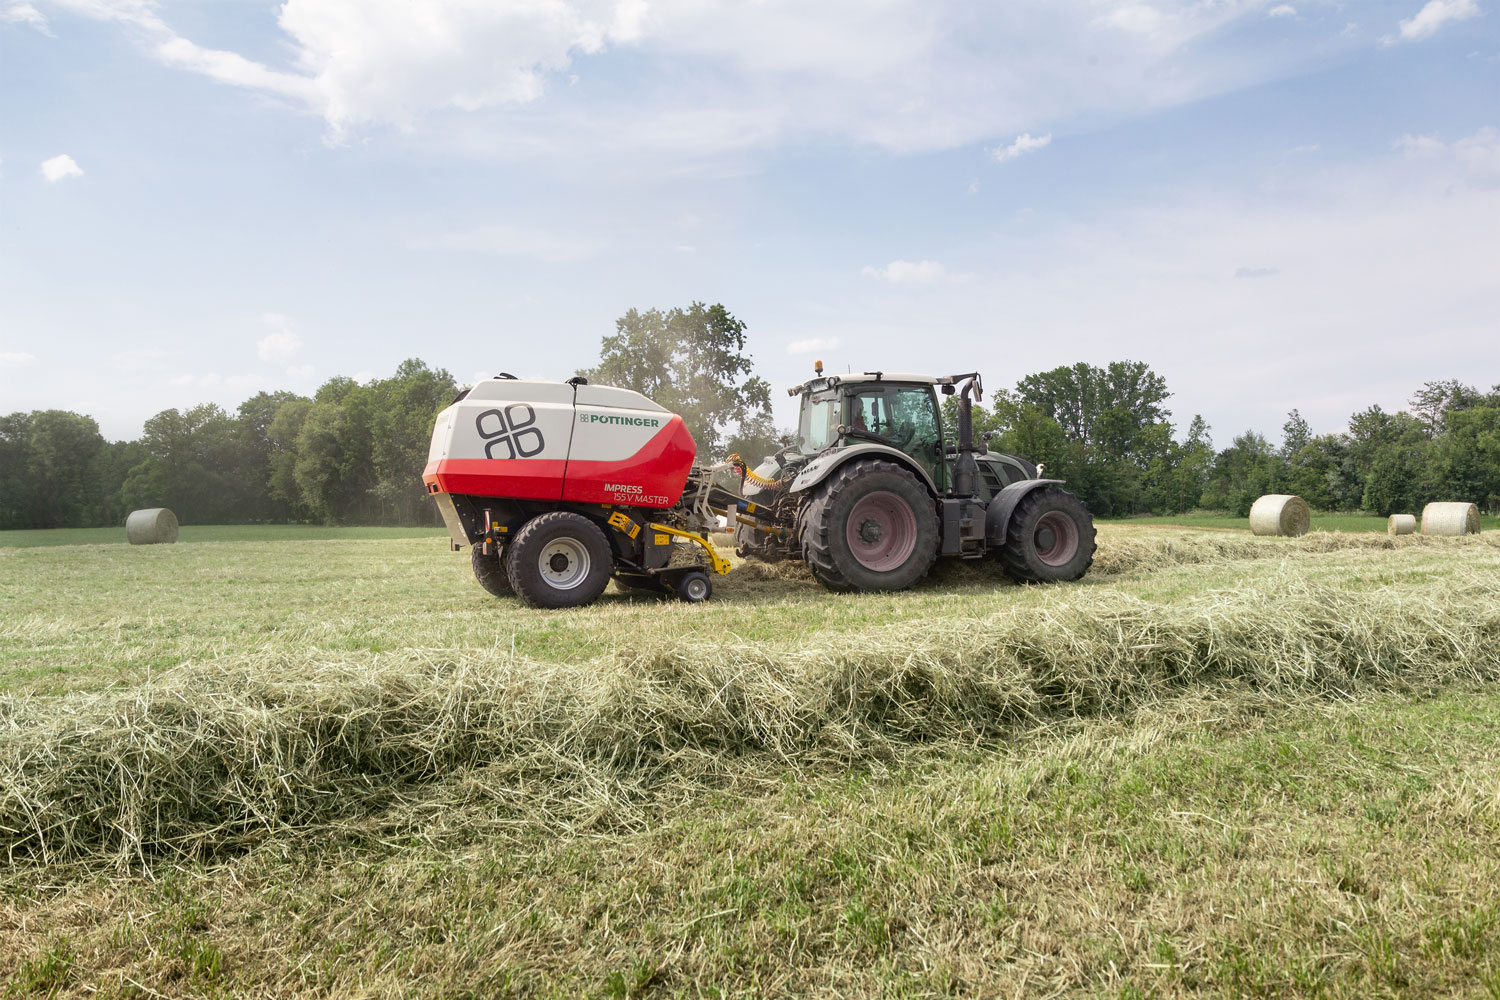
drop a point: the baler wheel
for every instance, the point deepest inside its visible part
(559, 560)
(489, 570)
(694, 587)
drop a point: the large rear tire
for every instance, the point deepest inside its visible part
(559, 560)
(489, 570)
(1050, 538)
(871, 526)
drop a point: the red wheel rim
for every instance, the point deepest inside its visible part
(1055, 538)
(881, 531)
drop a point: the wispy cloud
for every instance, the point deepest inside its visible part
(1025, 143)
(812, 344)
(16, 359)
(1256, 272)
(1434, 14)
(912, 272)
(281, 344)
(21, 12)
(1282, 10)
(59, 168)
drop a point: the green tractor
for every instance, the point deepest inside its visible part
(871, 491)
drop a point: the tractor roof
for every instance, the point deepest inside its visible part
(894, 378)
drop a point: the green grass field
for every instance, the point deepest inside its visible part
(1218, 766)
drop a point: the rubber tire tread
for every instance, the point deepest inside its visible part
(520, 560)
(824, 546)
(489, 570)
(1018, 556)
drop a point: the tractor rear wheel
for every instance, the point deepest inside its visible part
(871, 526)
(490, 571)
(1050, 538)
(559, 560)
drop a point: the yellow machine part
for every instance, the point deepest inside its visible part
(719, 563)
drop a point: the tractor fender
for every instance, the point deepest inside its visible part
(997, 516)
(824, 465)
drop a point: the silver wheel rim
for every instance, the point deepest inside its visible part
(697, 589)
(564, 563)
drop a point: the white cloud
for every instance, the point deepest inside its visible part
(1256, 272)
(59, 168)
(1436, 13)
(812, 344)
(1025, 143)
(909, 272)
(906, 75)
(363, 377)
(1474, 158)
(16, 359)
(1282, 10)
(281, 344)
(517, 241)
(303, 372)
(21, 12)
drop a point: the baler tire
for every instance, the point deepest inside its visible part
(825, 535)
(694, 587)
(489, 570)
(581, 545)
(1023, 557)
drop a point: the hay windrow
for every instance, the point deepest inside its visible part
(211, 759)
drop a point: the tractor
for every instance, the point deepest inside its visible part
(557, 487)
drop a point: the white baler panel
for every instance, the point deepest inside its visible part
(522, 390)
(612, 433)
(609, 396)
(438, 449)
(523, 424)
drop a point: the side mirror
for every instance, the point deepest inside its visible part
(948, 389)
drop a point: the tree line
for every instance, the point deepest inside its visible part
(353, 453)
(1107, 432)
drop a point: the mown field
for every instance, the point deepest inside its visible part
(1220, 766)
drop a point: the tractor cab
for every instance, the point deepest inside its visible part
(898, 411)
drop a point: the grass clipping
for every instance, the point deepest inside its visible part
(212, 760)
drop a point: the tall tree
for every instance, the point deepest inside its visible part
(691, 361)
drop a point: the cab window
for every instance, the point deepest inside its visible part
(906, 418)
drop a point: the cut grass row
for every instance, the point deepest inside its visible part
(1210, 847)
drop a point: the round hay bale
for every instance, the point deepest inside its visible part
(154, 526)
(1450, 519)
(1401, 524)
(1280, 514)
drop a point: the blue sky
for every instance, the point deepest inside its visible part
(1275, 205)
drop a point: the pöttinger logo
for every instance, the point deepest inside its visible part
(511, 428)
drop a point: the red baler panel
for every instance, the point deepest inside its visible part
(653, 477)
(517, 478)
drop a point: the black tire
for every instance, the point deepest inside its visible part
(1036, 548)
(559, 560)
(489, 570)
(855, 489)
(694, 587)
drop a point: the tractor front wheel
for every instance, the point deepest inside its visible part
(871, 526)
(489, 570)
(559, 560)
(1050, 538)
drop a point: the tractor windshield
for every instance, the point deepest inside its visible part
(817, 427)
